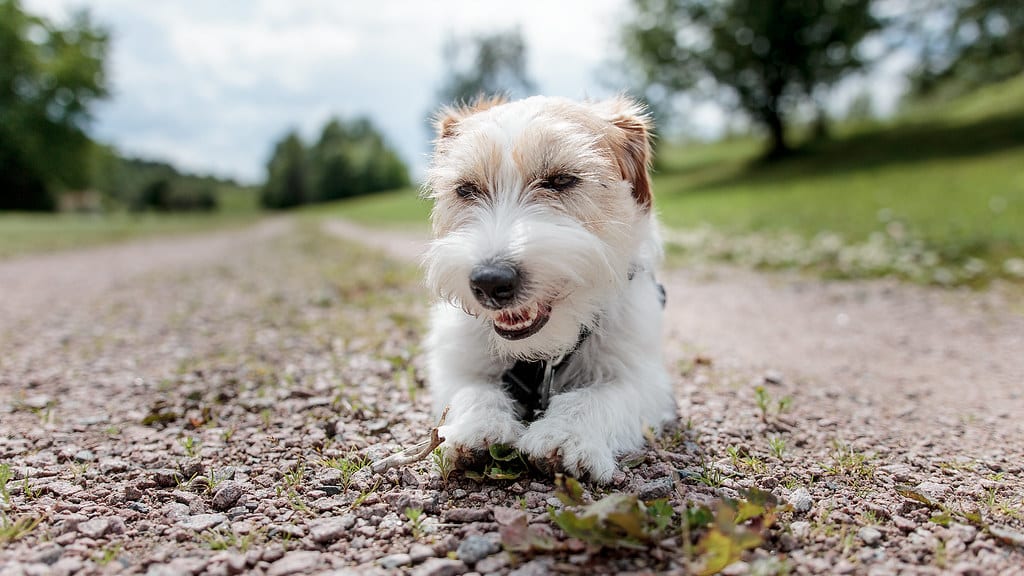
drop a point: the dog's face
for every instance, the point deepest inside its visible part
(538, 208)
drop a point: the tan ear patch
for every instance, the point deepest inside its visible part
(449, 117)
(630, 139)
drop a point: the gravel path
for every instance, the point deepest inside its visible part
(208, 405)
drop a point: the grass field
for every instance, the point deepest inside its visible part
(30, 233)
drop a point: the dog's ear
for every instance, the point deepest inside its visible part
(630, 139)
(447, 120)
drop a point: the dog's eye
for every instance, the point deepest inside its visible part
(560, 182)
(467, 190)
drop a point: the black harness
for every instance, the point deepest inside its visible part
(528, 382)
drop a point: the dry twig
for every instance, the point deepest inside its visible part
(414, 453)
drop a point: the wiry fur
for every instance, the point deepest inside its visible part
(576, 249)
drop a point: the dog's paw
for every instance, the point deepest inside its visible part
(467, 439)
(554, 444)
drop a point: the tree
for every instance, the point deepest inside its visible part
(49, 78)
(768, 55)
(287, 175)
(349, 159)
(485, 65)
(965, 43)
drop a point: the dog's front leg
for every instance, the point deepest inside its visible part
(584, 430)
(466, 379)
(479, 415)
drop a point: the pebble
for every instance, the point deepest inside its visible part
(467, 515)
(420, 552)
(904, 524)
(933, 490)
(84, 456)
(800, 529)
(200, 522)
(440, 567)
(801, 501)
(227, 494)
(869, 535)
(63, 488)
(95, 528)
(48, 554)
(166, 477)
(659, 488)
(301, 561)
(493, 563)
(328, 530)
(476, 548)
(395, 560)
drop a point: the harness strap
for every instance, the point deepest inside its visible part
(529, 381)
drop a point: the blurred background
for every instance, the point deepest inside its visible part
(857, 138)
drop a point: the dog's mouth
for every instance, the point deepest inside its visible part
(523, 322)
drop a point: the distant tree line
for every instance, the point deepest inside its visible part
(140, 185)
(350, 158)
(50, 77)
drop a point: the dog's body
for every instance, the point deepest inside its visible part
(544, 254)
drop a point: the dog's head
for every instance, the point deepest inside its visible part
(540, 207)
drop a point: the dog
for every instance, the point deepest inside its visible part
(547, 332)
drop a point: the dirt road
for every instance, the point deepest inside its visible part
(206, 406)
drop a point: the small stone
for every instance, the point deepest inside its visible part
(737, 568)
(493, 564)
(94, 528)
(1007, 535)
(395, 560)
(476, 548)
(227, 494)
(420, 552)
(869, 535)
(200, 522)
(535, 567)
(48, 554)
(193, 468)
(63, 488)
(301, 561)
(933, 490)
(800, 529)
(84, 456)
(904, 524)
(658, 488)
(112, 465)
(801, 501)
(132, 493)
(467, 515)
(166, 477)
(328, 530)
(235, 563)
(440, 567)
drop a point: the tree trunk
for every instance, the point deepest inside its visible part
(777, 130)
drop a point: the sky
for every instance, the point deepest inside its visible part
(210, 86)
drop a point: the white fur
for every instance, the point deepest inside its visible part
(616, 385)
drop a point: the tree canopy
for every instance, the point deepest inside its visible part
(349, 159)
(965, 43)
(766, 55)
(50, 76)
(485, 65)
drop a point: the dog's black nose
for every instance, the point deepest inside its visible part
(494, 285)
